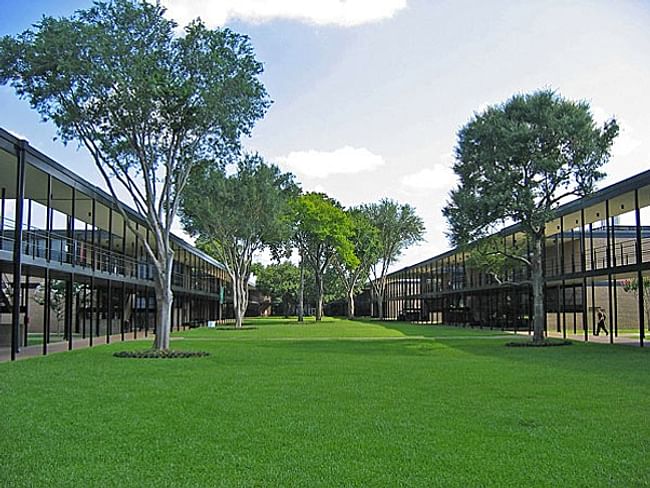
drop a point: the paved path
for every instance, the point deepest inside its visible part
(37, 349)
(623, 339)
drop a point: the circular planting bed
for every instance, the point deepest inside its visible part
(232, 327)
(546, 343)
(158, 354)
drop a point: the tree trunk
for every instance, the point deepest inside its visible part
(378, 288)
(379, 298)
(240, 299)
(319, 296)
(164, 300)
(537, 277)
(351, 303)
(285, 307)
(301, 294)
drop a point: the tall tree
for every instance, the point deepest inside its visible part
(280, 281)
(147, 105)
(238, 215)
(322, 231)
(366, 241)
(399, 228)
(518, 161)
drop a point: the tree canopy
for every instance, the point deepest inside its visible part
(237, 215)
(322, 230)
(281, 281)
(366, 241)
(146, 103)
(517, 162)
(399, 228)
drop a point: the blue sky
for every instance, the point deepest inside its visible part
(368, 95)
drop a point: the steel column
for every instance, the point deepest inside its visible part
(639, 272)
(18, 251)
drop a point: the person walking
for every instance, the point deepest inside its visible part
(601, 322)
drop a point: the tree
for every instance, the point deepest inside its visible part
(518, 161)
(145, 103)
(280, 281)
(57, 299)
(632, 286)
(322, 231)
(238, 215)
(366, 240)
(399, 228)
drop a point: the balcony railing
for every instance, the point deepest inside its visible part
(55, 247)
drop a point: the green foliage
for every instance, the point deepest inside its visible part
(238, 214)
(322, 230)
(116, 77)
(632, 286)
(518, 161)
(366, 241)
(399, 228)
(58, 290)
(322, 233)
(280, 281)
(498, 257)
(146, 103)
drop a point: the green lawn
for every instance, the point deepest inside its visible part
(332, 404)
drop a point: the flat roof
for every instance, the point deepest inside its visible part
(609, 192)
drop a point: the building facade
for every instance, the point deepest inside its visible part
(597, 258)
(71, 268)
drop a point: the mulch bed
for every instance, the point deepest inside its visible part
(160, 354)
(546, 343)
(230, 327)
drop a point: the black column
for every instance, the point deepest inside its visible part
(46, 311)
(109, 310)
(609, 271)
(583, 269)
(69, 291)
(639, 273)
(72, 251)
(18, 240)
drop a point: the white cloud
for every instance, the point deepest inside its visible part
(321, 164)
(438, 177)
(346, 13)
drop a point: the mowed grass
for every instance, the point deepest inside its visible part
(333, 404)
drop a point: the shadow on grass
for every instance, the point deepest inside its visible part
(428, 330)
(582, 360)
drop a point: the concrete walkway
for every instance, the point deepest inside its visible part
(622, 339)
(54, 347)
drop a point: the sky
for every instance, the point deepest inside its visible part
(368, 95)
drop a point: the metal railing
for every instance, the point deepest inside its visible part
(623, 253)
(54, 246)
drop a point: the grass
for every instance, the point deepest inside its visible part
(333, 404)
